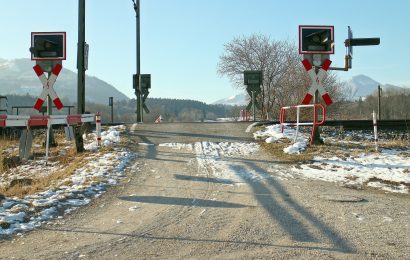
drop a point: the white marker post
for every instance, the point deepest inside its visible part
(375, 130)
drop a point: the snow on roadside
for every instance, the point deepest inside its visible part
(89, 181)
(109, 137)
(273, 134)
(388, 170)
(224, 160)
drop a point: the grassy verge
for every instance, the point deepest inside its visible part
(69, 161)
(53, 180)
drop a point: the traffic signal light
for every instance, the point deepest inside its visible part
(316, 39)
(145, 81)
(48, 46)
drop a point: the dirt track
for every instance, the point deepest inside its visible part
(168, 207)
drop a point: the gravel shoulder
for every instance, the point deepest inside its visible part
(170, 207)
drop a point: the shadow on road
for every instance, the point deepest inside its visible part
(183, 201)
(182, 239)
(203, 179)
(295, 227)
(290, 224)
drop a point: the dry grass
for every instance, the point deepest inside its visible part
(69, 162)
(7, 161)
(342, 151)
(276, 149)
(395, 144)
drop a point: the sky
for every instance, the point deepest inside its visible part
(182, 40)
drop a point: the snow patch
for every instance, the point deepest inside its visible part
(90, 181)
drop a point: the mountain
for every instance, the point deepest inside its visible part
(236, 100)
(17, 77)
(361, 86)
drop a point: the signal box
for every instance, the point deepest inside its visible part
(48, 46)
(316, 39)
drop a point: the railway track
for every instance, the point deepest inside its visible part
(402, 124)
(368, 124)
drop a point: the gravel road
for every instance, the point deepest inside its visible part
(169, 207)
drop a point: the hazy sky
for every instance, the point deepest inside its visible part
(181, 40)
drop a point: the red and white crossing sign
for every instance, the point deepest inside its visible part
(317, 82)
(48, 86)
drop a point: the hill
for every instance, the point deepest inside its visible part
(361, 86)
(171, 110)
(17, 77)
(236, 100)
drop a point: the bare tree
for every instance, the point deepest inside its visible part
(284, 79)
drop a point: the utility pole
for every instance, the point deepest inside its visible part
(138, 90)
(78, 131)
(80, 58)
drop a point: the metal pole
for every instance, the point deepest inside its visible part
(50, 137)
(80, 58)
(138, 91)
(253, 106)
(139, 60)
(112, 111)
(78, 131)
(375, 130)
(379, 102)
(316, 136)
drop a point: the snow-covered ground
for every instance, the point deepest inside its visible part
(89, 181)
(387, 169)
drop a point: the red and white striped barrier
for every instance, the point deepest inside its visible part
(28, 121)
(245, 115)
(48, 86)
(314, 124)
(317, 83)
(158, 120)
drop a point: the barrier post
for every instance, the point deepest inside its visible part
(98, 127)
(297, 125)
(282, 119)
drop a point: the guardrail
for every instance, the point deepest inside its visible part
(28, 121)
